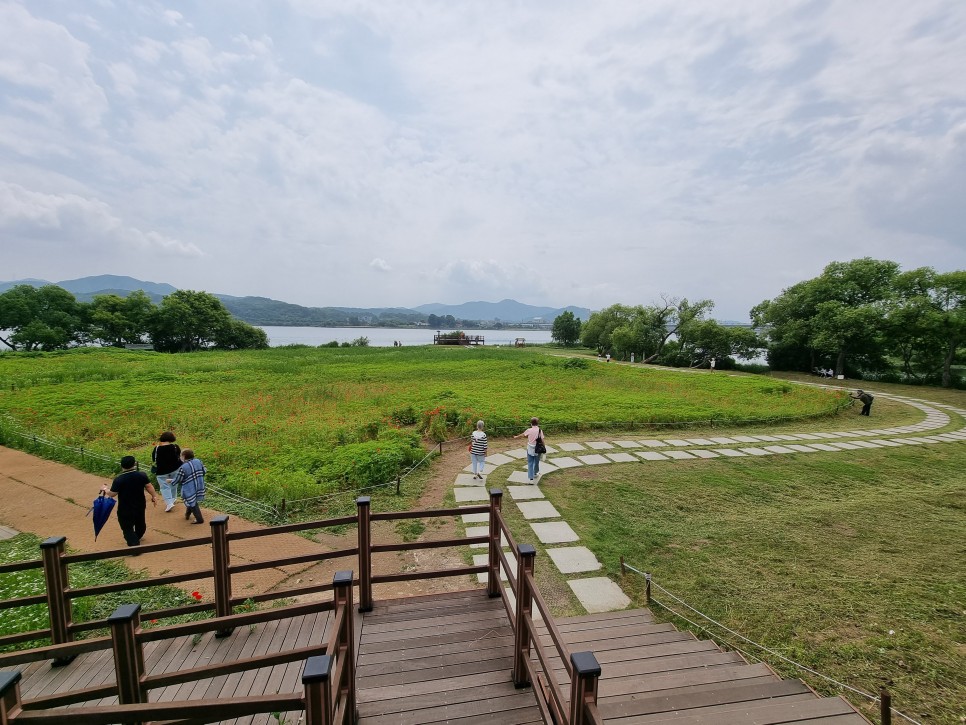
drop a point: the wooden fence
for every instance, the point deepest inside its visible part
(328, 678)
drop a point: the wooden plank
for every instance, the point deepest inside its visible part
(425, 627)
(683, 700)
(410, 664)
(629, 686)
(380, 623)
(491, 640)
(794, 708)
(660, 665)
(513, 709)
(500, 664)
(424, 701)
(601, 635)
(604, 616)
(469, 635)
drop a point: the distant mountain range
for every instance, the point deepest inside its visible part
(266, 311)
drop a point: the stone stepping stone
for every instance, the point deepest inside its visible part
(628, 444)
(677, 443)
(571, 447)
(600, 445)
(700, 442)
(726, 441)
(483, 560)
(547, 467)
(573, 559)
(593, 460)
(746, 439)
(522, 493)
(599, 594)
(622, 458)
(779, 449)
(653, 456)
(866, 444)
(7, 533)
(475, 518)
(700, 453)
(802, 448)
(470, 493)
(755, 451)
(807, 437)
(538, 510)
(484, 531)
(499, 459)
(517, 453)
(786, 437)
(730, 452)
(566, 462)
(488, 468)
(825, 447)
(678, 455)
(769, 439)
(466, 479)
(843, 446)
(519, 477)
(554, 532)
(651, 443)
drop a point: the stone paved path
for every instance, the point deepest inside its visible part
(600, 594)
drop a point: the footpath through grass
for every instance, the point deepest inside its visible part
(294, 423)
(849, 563)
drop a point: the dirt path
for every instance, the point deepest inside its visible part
(51, 499)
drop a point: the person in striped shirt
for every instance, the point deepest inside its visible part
(478, 450)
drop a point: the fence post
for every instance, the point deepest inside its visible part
(398, 482)
(318, 691)
(647, 588)
(125, 624)
(521, 634)
(56, 582)
(583, 687)
(10, 705)
(496, 535)
(363, 504)
(885, 706)
(222, 574)
(342, 593)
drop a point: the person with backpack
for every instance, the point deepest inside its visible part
(535, 448)
(866, 399)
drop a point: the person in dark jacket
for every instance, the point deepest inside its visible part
(866, 401)
(128, 489)
(167, 459)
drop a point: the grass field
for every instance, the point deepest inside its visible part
(852, 564)
(303, 422)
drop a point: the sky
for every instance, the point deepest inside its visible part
(376, 153)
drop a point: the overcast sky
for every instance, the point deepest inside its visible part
(378, 153)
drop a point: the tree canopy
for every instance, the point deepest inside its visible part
(566, 329)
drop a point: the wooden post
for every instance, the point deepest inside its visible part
(342, 593)
(56, 582)
(493, 572)
(885, 706)
(363, 504)
(125, 624)
(318, 690)
(521, 635)
(398, 482)
(647, 588)
(222, 575)
(10, 705)
(583, 687)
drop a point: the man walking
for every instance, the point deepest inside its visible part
(128, 489)
(866, 401)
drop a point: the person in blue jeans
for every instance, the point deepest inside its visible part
(167, 459)
(533, 458)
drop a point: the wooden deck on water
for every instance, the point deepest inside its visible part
(447, 658)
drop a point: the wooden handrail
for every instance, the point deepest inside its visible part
(558, 696)
(556, 636)
(289, 561)
(142, 549)
(99, 589)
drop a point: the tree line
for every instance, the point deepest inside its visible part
(862, 319)
(51, 318)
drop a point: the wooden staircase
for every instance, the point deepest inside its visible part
(651, 673)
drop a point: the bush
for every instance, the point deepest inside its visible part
(576, 363)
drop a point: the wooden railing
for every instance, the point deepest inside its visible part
(328, 676)
(581, 667)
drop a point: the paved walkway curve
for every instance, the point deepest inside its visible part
(601, 594)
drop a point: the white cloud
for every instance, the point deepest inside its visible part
(380, 265)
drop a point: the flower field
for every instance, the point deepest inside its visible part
(300, 422)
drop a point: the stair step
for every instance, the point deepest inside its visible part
(791, 709)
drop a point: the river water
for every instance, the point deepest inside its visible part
(384, 336)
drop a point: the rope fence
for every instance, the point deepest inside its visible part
(651, 599)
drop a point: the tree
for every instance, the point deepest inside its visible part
(117, 321)
(643, 331)
(44, 318)
(238, 335)
(701, 340)
(187, 320)
(566, 329)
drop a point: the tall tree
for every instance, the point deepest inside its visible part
(117, 321)
(566, 329)
(44, 318)
(187, 320)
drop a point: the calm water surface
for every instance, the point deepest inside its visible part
(384, 336)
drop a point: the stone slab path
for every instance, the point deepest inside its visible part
(601, 594)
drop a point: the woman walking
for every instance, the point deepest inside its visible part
(191, 476)
(478, 447)
(167, 459)
(533, 435)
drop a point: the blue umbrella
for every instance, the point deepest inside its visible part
(103, 505)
